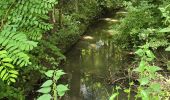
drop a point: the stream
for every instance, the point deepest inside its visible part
(92, 61)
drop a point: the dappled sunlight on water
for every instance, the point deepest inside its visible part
(121, 12)
(88, 37)
(110, 19)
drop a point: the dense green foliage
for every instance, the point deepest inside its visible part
(146, 30)
(30, 30)
(34, 34)
(22, 24)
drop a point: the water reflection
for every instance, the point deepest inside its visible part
(91, 62)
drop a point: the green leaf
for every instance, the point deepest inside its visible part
(49, 73)
(141, 67)
(3, 52)
(13, 75)
(127, 90)
(13, 72)
(150, 54)
(12, 80)
(113, 96)
(58, 74)
(153, 69)
(45, 97)
(7, 60)
(5, 77)
(156, 87)
(45, 90)
(3, 73)
(144, 95)
(61, 89)
(1, 68)
(9, 65)
(165, 30)
(47, 83)
(139, 52)
(167, 49)
(144, 81)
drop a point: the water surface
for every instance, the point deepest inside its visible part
(93, 61)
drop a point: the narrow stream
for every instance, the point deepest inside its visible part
(92, 61)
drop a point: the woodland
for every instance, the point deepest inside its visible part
(84, 49)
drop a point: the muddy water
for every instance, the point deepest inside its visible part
(93, 61)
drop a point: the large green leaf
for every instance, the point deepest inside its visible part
(47, 83)
(45, 90)
(7, 60)
(144, 95)
(58, 74)
(144, 81)
(114, 96)
(153, 69)
(61, 89)
(45, 97)
(139, 52)
(156, 87)
(165, 30)
(167, 49)
(150, 54)
(141, 67)
(49, 73)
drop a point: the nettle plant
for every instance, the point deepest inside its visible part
(50, 89)
(147, 90)
(147, 71)
(22, 25)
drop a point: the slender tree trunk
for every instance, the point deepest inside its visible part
(76, 5)
(53, 20)
(60, 13)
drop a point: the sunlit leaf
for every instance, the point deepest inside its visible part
(167, 49)
(7, 60)
(144, 95)
(141, 67)
(165, 30)
(49, 73)
(114, 96)
(58, 74)
(156, 87)
(47, 83)
(61, 89)
(45, 90)
(139, 52)
(12, 80)
(45, 97)
(150, 54)
(153, 69)
(144, 81)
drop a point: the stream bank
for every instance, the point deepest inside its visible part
(94, 61)
(53, 45)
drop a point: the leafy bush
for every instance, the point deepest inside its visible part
(146, 24)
